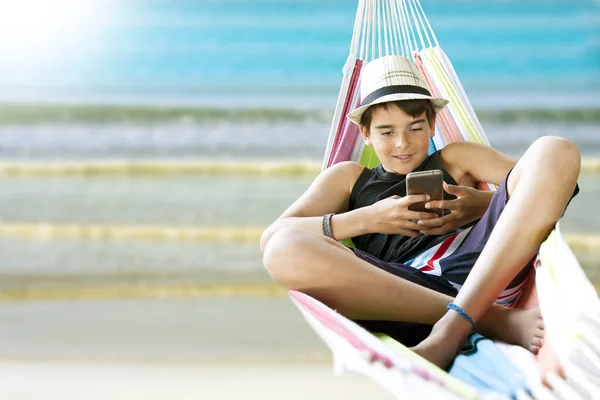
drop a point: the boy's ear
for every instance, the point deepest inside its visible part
(364, 132)
(432, 126)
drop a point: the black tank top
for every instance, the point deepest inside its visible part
(377, 184)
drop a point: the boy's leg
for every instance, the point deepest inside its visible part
(539, 187)
(332, 273)
(325, 269)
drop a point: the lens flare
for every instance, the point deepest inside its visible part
(32, 30)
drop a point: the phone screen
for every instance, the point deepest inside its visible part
(426, 182)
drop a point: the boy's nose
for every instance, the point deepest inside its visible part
(402, 141)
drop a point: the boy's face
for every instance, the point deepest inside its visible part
(400, 141)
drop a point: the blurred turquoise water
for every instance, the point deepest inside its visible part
(289, 54)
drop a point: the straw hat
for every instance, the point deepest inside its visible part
(392, 78)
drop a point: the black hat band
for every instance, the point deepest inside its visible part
(387, 90)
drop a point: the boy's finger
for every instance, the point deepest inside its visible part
(416, 198)
(431, 223)
(453, 189)
(445, 204)
(419, 215)
(433, 231)
(434, 204)
(411, 225)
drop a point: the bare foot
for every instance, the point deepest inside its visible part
(444, 342)
(515, 326)
(524, 328)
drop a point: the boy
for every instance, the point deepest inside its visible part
(408, 266)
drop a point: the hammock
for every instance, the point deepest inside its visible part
(568, 301)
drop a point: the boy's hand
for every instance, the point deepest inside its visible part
(392, 216)
(470, 204)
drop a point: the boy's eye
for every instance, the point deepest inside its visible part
(415, 129)
(386, 133)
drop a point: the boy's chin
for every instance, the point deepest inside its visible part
(404, 167)
(399, 169)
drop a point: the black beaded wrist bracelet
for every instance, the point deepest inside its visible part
(326, 225)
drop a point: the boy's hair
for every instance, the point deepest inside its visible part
(414, 108)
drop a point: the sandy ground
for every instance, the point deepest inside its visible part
(93, 381)
(203, 348)
(178, 330)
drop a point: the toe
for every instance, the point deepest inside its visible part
(539, 333)
(540, 324)
(534, 349)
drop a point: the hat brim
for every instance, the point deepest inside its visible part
(437, 102)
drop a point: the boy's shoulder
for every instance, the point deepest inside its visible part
(477, 161)
(455, 155)
(345, 173)
(455, 152)
(458, 147)
(347, 168)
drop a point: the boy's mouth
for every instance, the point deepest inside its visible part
(403, 158)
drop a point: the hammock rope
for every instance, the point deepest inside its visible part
(390, 27)
(396, 27)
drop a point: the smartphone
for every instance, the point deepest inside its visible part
(426, 182)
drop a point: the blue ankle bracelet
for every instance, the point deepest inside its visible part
(463, 314)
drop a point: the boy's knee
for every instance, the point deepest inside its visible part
(283, 254)
(561, 151)
(558, 145)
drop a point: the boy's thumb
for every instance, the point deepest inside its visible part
(452, 189)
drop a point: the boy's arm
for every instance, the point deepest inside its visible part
(480, 162)
(329, 193)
